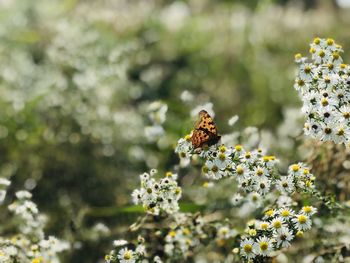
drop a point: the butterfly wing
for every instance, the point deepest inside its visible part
(206, 123)
(198, 138)
(205, 132)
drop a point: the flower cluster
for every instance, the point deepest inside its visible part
(323, 85)
(183, 235)
(30, 244)
(253, 170)
(158, 195)
(277, 229)
(125, 254)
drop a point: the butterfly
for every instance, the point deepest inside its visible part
(205, 133)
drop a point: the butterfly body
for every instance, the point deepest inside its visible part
(205, 133)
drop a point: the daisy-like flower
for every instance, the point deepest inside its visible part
(262, 186)
(270, 213)
(212, 170)
(302, 222)
(247, 248)
(241, 171)
(283, 236)
(295, 169)
(236, 199)
(222, 160)
(260, 172)
(263, 225)
(286, 212)
(263, 246)
(309, 210)
(277, 223)
(225, 232)
(284, 201)
(126, 256)
(255, 199)
(285, 185)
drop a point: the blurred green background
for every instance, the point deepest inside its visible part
(77, 79)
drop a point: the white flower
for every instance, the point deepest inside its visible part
(262, 186)
(119, 243)
(284, 201)
(224, 232)
(236, 199)
(302, 222)
(126, 256)
(309, 210)
(263, 246)
(23, 194)
(247, 248)
(283, 237)
(157, 259)
(285, 185)
(136, 196)
(285, 212)
(140, 250)
(277, 223)
(233, 120)
(4, 181)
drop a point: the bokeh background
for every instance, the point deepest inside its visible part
(93, 93)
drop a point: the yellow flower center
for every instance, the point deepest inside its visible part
(205, 169)
(295, 167)
(238, 148)
(222, 149)
(301, 82)
(317, 40)
(263, 245)
(335, 55)
(307, 209)
(330, 41)
(239, 170)
(248, 248)
(277, 224)
(302, 219)
(321, 53)
(252, 232)
(285, 213)
(264, 226)
(172, 233)
(299, 233)
(307, 69)
(186, 231)
(269, 212)
(222, 156)
(340, 131)
(297, 56)
(127, 255)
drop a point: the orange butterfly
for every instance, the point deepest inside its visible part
(205, 132)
